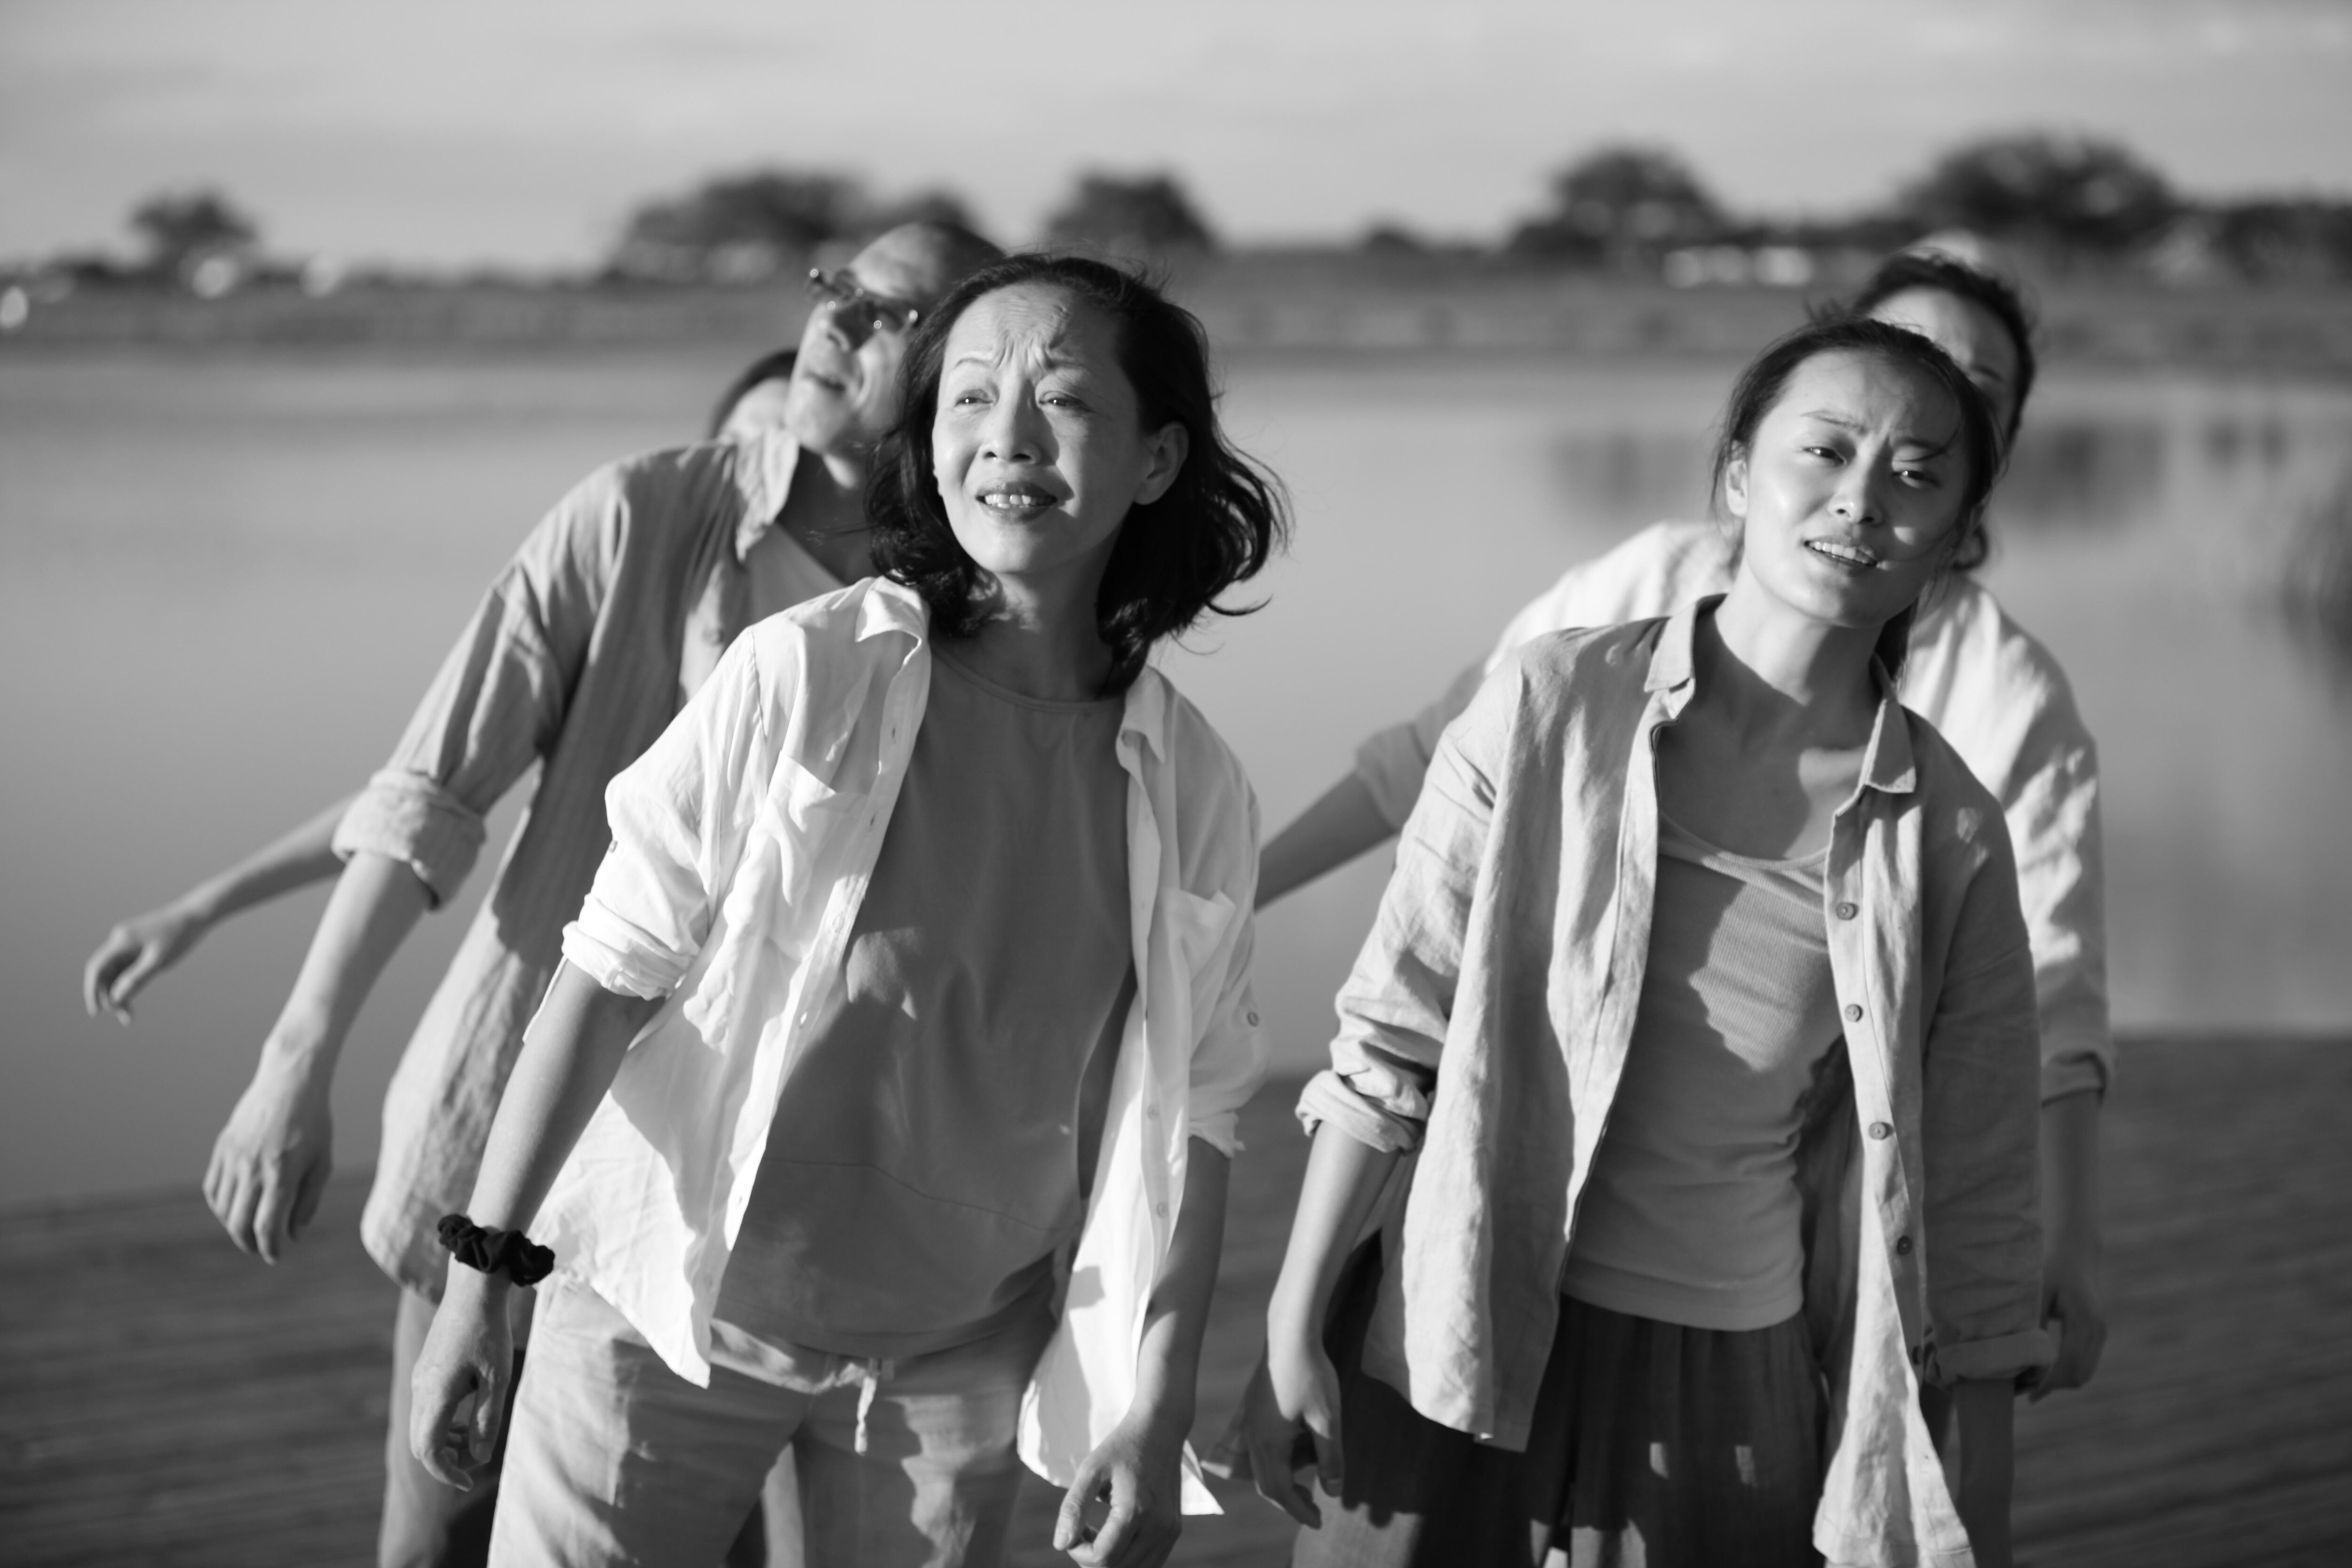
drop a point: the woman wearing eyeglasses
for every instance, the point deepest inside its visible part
(616, 609)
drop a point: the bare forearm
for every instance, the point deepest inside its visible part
(1168, 1361)
(568, 1061)
(375, 903)
(1344, 823)
(1988, 1464)
(2070, 1174)
(1343, 1181)
(304, 855)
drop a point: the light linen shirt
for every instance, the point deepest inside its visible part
(743, 844)
(1491, 1010)
(619, 603)
(1985, 685)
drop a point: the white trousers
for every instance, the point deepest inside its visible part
(613, 1459)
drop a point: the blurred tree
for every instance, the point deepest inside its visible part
(196, 238)
(1622, 204)
(2073, 195)
(738, 228)
(1144, 217)
(923, 206)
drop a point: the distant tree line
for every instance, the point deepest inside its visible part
(2066, 203)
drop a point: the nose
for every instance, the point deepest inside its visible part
(1858, 499)
(1013, 434)
(850, 329)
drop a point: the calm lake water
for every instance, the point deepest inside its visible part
(225, 576)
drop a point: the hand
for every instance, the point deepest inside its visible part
(2070, 1303)
(457, 1397)
(1293, 1396)
(270, 1164)
(133, 954)
(1139, 1468)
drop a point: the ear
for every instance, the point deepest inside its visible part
(1735, 486)
(1168, 446)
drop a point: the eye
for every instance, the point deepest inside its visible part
(1826, 454)
(1919, 478)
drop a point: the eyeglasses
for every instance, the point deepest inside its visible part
(856, 313)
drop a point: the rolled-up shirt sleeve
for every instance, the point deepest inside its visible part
(679, 816)
(1980, 1093)
(1395, 1005)
(2053, 819)
(1231, 1051)
(498, 700)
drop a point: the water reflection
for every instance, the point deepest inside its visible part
(224, 579)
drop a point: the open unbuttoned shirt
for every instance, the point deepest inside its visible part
(1988, 687)
(1488, 1017)
(743, 841)
(619, 603)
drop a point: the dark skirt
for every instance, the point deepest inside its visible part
(1652, 1446)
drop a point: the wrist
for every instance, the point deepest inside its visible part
(300, 1047)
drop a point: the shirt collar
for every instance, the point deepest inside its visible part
(763, 473)
(1886, 763)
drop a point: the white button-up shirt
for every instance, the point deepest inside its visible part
(743, 841)
(1988, 687)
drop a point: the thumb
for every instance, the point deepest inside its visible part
(489, 1413)
(1070, 1525)
(1323, 1426)
(134, 980)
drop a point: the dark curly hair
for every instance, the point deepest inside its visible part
(1215, 527)
(1761, 385)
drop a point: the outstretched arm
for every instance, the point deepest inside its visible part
(143, 946)
(1344, 823)
(270, 1163)
(1139, 1466)
(568, 1061)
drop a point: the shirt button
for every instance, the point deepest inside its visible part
(1159, 1209)
(1854, 1012)
(1253, 1018)
(1901, 1247)
(1847, 911)
(1880, 1130)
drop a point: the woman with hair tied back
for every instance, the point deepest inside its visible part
(884, 1102)
(1702, 999)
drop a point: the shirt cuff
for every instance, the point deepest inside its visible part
(1329, 1098)
(2075, 1067)
(599, 944)
(1392, 766)
(409, 818)
(2000, 1359)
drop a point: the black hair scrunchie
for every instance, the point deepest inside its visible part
(506, 1252)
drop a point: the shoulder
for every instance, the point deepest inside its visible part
(834, 639)
(1960, 816)
(1189, 744)
(1652, 572)
(1970, 647)
(1582, 663)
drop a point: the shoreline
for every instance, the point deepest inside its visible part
(1249, 312)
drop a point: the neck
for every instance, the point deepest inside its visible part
(1774, 671)
(825, 510)
(1041, 639)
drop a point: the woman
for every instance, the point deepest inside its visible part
(921, 957)
(1657, 873)
(1987, 684)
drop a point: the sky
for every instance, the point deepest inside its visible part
(521, 132)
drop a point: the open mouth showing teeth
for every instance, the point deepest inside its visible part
(1843, 554)
(1015, 499)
